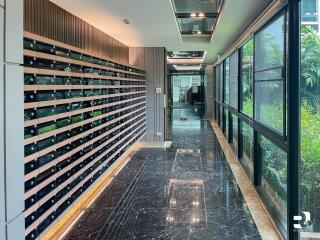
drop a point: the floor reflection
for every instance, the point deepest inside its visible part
(185, 192)
(182, 120)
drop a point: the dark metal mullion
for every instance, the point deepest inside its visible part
(223, 97)
(257, 166)
(271, 80)
(240, 139)
(245, 119)
(284, 76)
(253, 77)
(273, 136)
(269, 69)
(293, 160)
(256, 145)
(231, 109)
(230, 127)
(240, 97)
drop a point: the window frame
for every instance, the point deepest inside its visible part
(258, 128)
(284, 75)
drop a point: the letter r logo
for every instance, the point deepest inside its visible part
(306, 222)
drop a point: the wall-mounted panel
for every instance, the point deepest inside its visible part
(46, 19)
(82, 113)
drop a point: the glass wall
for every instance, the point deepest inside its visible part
(255, 127)
(181, 85)
(221, 85)
(233, 78)
(246, 156)
(225, 122)
(269, 70)
(234, 132)
(309, 11)
(218, 83)
(274, 177)
(310, 120)
(226, 80)
(246, 78)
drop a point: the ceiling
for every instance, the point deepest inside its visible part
(153, 22)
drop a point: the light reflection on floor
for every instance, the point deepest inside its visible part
(184, 192)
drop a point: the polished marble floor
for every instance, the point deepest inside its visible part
(185, 192)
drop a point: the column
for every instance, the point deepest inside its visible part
(12, 116)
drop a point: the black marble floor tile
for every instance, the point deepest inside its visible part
(185, 192)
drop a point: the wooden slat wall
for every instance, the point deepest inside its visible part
(153, 61)
(46, 19)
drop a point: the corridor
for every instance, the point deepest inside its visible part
(186, 191)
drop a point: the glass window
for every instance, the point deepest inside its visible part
(246, 148)
(221, 117)
(313, 26)
(225, 122)
(221, 81)
(309, 11)
(246, 104)
(269, 71)
(226, 80)
(234, 132)
(233, 86)
(218, 82)
(216, 113)
(310, 124)
(274, 178)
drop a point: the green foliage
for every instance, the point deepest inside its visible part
(272, 115)
(248, 48)
(310, 154)
(247, 78)
(275, 169)
(247, 107)
(310, 57)
(310, 122)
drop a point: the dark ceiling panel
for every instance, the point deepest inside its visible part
(196, 6)
(185, 54)
(196, 24)
(197, 18)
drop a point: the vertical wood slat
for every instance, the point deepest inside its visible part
(46, 19)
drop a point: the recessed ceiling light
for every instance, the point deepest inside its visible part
(193, 15)
(201, 15)
(199, 32)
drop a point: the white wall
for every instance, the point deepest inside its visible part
(11, 121)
